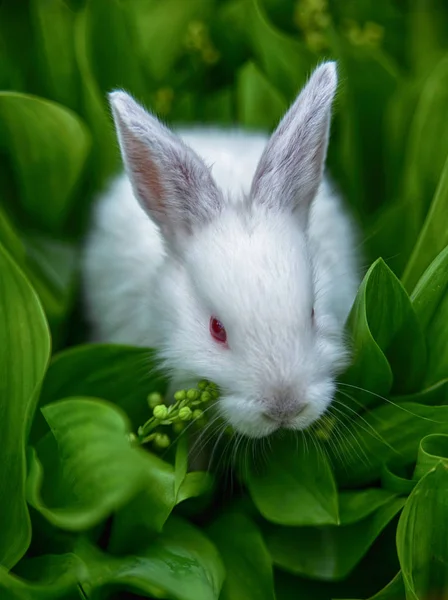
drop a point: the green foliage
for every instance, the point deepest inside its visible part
(356, 507)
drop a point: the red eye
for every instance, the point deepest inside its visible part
(217, 330)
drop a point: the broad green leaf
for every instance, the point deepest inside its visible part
(432, 450)
(327, 553)
(180, 564)
(89, 468)
(355, 506)
(259, 103)
(394, 590)
(53, 25)
(196, 483)
(246, 559)
(399, 429)
(436, 336)
(10, 240)
(422, 543)
(47, 165)
(104, 154)
(396, 482)
(300, 475)
(24, 354)
(121, 374)
(43, 578)
(285, 61)
(423, 171)
(431, 287)
(427, 22)
(433, 237)
(435, 395)
(383, 324)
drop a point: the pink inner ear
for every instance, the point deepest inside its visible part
(145, 176)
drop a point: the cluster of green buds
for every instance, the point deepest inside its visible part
(188, 407)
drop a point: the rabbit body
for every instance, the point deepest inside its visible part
(159, 264)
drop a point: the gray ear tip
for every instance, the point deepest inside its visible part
(118, 99)
(327, 73)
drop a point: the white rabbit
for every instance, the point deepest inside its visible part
(242, 273)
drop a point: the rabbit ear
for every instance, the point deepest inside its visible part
(291, 166)
(170, 181)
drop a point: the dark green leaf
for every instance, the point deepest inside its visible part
(43, 578)
(300, 475)
(327, 553)
(383, 324)
(24, 354)
(422, 542)
(437, 335)
(246, 559)
(94, 470)
(399, 429)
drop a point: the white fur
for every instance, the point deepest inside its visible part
(257, 264)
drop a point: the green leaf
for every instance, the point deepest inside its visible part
(259, 103)
(383, 324)
(422, 543)
(47, 165)
(24, 354)
(437, 394)
(327, 553)
(356, 506)
(433, 450)
(297, 473)
(181, 564)
(42, 578)
(422, 174)
(399, 429)
(246, 559)
(195, 484)
(89, 469)
(431, 288)
(121, 374)
(436, 335)
(394, 590)
(433, 236)
(285, 61)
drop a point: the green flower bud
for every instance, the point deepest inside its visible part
(193, 394)
(202, 385)
(132, 438)
(161, 440)
(198, 413)
(206, 396)
(180, 395)
(178, 427)
(185, 413)
(155, 399)
(160, 412)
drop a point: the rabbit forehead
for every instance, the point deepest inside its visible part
(253, 264)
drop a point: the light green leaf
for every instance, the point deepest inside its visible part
(422, 543)
(24, 354)
(246, 559)
(259, 103)
(437, 335)
(180, 564)
(47, 165)
(301, 476)
(432, 450)
(327, 553)
(121, 374)
(89, 469)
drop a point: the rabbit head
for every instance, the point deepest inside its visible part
(236, 295)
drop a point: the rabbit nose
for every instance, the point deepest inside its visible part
(284, 413)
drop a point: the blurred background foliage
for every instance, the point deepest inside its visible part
(214, 61)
